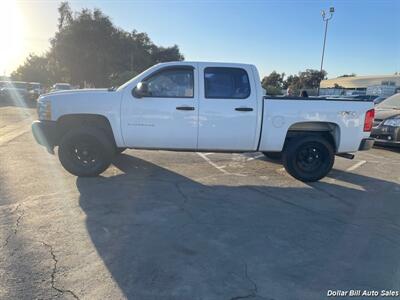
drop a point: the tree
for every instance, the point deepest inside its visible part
(311, 79)
(273, 83)
(292, 81)
(348, 75)
(89, 48)
(116, 79)
(161, 54)
(337, 86)
(34, 69)
(85, 48)
(65, 15)
(274, 79)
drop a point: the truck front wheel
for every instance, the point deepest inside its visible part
(308, 158)
(85, 152)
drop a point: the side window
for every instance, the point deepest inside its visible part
(226, 83)
(171, 83)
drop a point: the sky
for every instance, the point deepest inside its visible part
(286, 36)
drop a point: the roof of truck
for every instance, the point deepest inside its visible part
(204, 62)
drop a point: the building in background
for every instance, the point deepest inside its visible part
(383, 85)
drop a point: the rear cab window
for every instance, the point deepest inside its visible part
(226, 83)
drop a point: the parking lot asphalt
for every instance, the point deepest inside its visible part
(181, 225)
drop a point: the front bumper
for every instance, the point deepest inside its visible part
(46, 133)
(386, 135)
(366, 144)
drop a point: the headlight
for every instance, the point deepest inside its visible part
(44, 109)
(392, 122)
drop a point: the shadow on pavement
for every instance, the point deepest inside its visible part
(164, 236)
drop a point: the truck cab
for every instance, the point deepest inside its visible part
(200, 106)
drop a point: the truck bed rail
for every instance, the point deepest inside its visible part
(313, 98)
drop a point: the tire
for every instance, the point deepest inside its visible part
(308, 158)
(85, 152)
(273, 155)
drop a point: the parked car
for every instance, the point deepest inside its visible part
(14, 91)
(200, 106)
(386, 129)
(379, 99)
(35, 90)
(60, 87)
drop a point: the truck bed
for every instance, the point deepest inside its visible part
(344, 118)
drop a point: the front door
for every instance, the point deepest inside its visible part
(166, 116)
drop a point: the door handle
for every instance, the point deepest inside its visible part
(185, 108)
(243, 109)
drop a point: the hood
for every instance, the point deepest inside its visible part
(385, 113)
(83, 95)
(80, 91)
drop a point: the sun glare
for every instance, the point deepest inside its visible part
(11, 33)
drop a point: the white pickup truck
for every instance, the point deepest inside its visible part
(200, 106)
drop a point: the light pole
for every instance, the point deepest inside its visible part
(325, 18)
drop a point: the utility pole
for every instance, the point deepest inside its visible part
(325, 18)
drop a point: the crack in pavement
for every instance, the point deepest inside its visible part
(306, 209)
(16, 226)
(185, 201)
(254, 290)
(53, 274)
(331, 195)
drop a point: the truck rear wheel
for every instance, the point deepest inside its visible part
(85, 152)
(308, 158)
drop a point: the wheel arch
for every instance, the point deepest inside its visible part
(329, 130)
(70, 121)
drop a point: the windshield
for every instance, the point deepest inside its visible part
(129, 81)
(391, 102)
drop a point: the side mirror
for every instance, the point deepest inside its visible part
(141, 90)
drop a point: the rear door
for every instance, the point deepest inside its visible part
(227, 108)
(166, 118)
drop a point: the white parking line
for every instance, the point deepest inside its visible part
(357, 165)
(220, 168)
